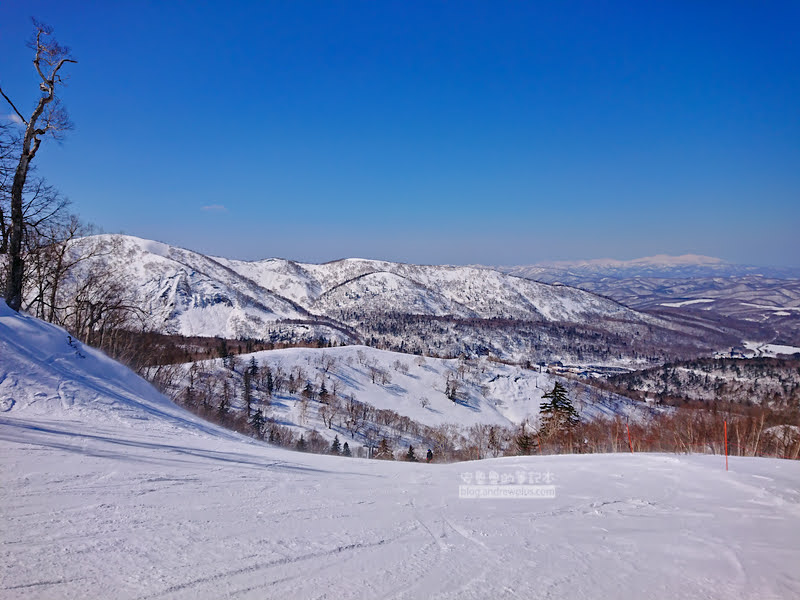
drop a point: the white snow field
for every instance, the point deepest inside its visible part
(772, 350)
(110, 491)
(490, 392)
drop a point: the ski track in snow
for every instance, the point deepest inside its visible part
(149, 516)
(109, 491)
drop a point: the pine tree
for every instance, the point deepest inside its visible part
(222, 350)
(346, 450)
(270, 382)
(525, 442)
(335, 446)
(558, 415)
(247, 392)
(301, 444)
(224, 400)
(384, 451)
(410, 456)
(257, 422)
(451, 390)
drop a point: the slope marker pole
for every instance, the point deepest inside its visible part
(726, 444)
(630, 444)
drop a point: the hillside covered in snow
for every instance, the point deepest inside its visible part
(109, 490)
(433, 310)
(363, 395)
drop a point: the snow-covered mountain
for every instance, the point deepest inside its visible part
(186, 293)
(380, 286)
(109, 491)
(192, 293)
(433, 309)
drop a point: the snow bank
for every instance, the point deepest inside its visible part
(46, 375)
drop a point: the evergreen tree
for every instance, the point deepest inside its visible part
(222, 350)
(346, 450)
(410, 456)
(384, 451)
(301, 444)
(247, 392)
(257, 422)
(525, 442)
(558, 415)
(189, 396)
(270, 382)
(451, 391)
(335, 446)
(224, 400)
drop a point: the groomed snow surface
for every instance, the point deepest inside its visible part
(109, 491)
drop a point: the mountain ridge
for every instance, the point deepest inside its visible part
(438, 310)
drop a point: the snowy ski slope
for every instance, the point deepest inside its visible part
(109, 491)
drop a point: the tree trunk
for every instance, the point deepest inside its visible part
(16, 271)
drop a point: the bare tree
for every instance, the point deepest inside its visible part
(355, 415)
(400, 367)
(47, 118)
(98, 308)
(478, 438)
(52, 253)
(303, 409)
(329, 410)
(327, 362)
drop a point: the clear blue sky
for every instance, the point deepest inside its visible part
(499, 132)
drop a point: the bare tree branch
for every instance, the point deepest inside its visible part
(19, 114)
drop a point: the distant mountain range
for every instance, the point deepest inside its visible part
(437, 310)
(689, 286)
(660, 266)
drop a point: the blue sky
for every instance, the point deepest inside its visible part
(436, 132)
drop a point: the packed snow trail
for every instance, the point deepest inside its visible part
(98, 514)
(109, 491)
